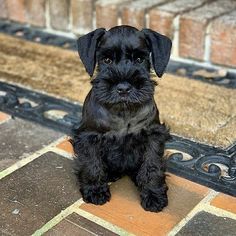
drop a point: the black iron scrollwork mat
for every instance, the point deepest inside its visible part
(47, 110)
(207, 165)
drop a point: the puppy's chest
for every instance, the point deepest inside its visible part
(125, 122)
(124, 153)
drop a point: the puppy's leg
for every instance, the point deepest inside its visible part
(91, 169)
(151, 177)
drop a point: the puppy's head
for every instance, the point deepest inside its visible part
(124, 56)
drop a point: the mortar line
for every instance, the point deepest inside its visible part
(58, 218)
(70, 17)
(207, 44)
(47, 15)
(199, 207)
(30, 158)
(175, 41)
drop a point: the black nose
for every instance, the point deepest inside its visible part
(123, 88)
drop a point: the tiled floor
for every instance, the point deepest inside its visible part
(39, 195)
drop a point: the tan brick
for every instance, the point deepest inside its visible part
(193, 26)
(223, 40)
(35, 12)
(162, 17)
(16, 10)
(59, 14)
(107, 12)
(134, 13)
(3, 9)
(82, 15)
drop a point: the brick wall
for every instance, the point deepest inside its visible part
(202, 30)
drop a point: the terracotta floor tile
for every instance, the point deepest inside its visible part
(125, 211)
(225, 202)
(66, 146)
(188, 185)
(4, 117)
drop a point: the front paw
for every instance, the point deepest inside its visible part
(96, 194)
(154, 199)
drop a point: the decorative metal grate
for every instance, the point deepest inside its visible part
(49, 111)
(207, 165)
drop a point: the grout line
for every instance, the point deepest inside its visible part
(102, 222)
(54, 221)
(219, 212)
(30, 158)
(63, 153)
(211, 195)
(199, 207)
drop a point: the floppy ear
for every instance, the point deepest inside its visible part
(87, 49)
(160, 47)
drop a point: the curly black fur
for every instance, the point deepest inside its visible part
(120, 132)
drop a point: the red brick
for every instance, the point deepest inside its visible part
(3, 9)
(59, 14)
(134, 13)
(82, 15)
(4, 117)
(35, 12)
(223, 40)
(193, 26)
(162, 22)
(66, 146)
(16, 10)
(162, 17)
(107, 12)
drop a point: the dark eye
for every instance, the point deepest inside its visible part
(107, 60)
(139, 60)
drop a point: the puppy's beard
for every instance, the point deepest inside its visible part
(106, 82)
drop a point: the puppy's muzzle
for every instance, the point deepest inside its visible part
(123, 88)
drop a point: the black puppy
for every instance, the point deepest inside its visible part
(120, 132)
